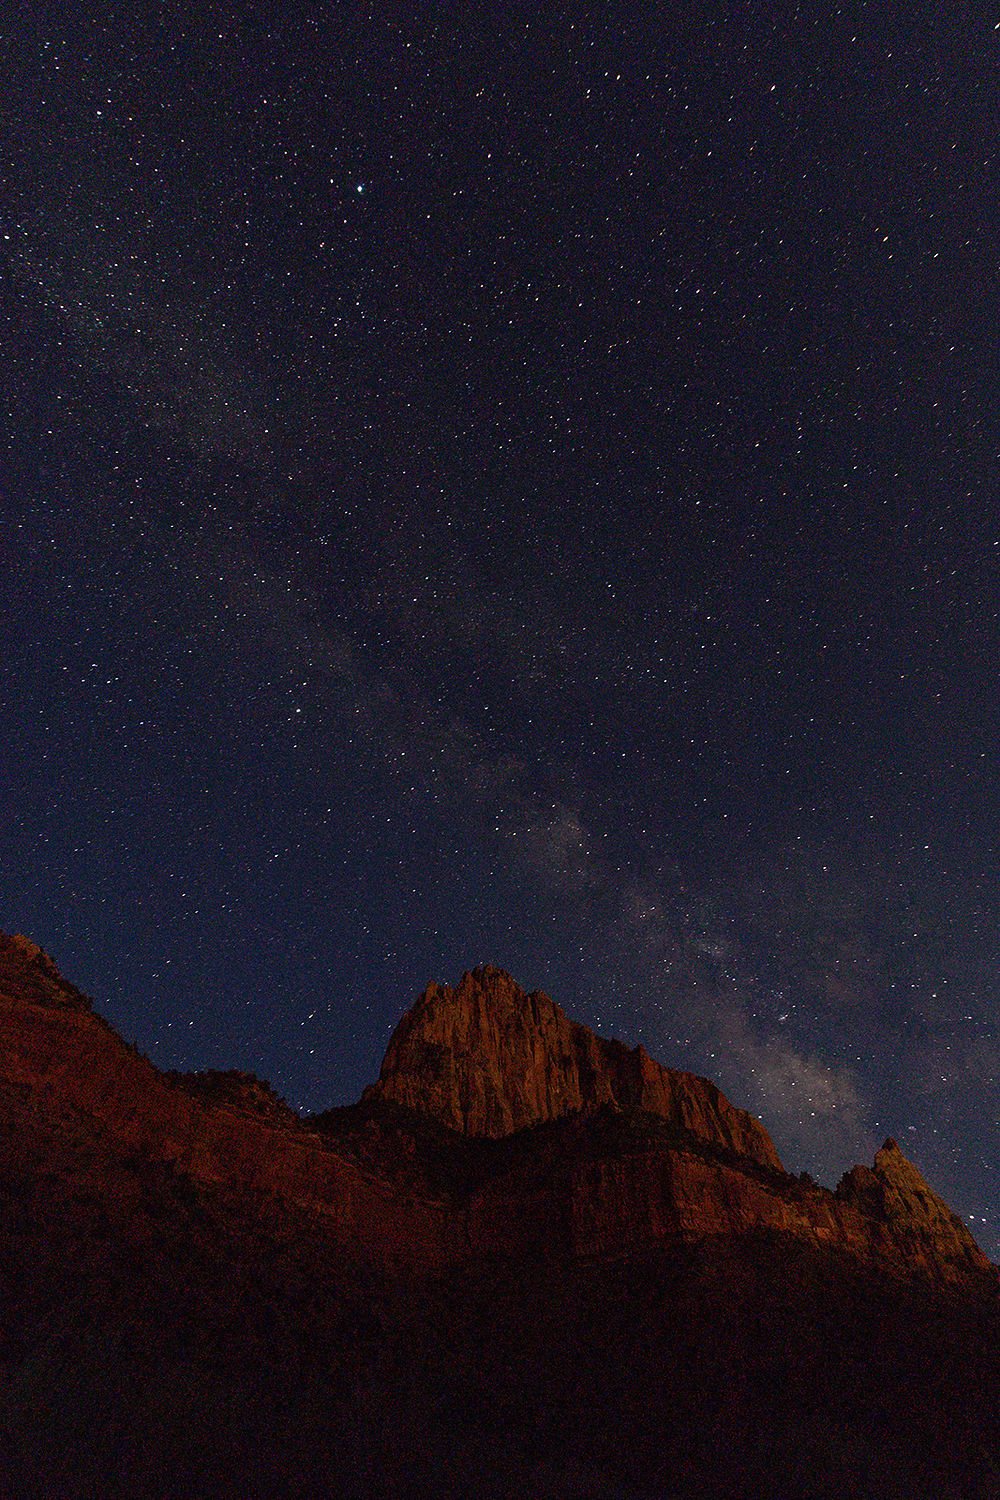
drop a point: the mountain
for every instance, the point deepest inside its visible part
(488, 1060)
(529, 1260)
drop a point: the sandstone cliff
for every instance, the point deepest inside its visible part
(893, 1206)
(619, 1291)
(498, 1127)
(80, 1108)
(487, 1060)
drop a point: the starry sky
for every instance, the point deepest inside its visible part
(520, 488)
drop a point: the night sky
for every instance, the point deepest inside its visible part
(514, 488)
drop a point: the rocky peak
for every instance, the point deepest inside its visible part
(29, 967)
(24, 945)
(487, 1059)
(893, 1195)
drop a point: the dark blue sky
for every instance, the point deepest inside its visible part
(515, 489)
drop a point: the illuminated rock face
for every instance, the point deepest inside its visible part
(498, 1127)
(78, 1105)
(486, 1059)
(889, 1212)
(526, 1249)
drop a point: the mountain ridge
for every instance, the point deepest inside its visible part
(487, 1058)
(501, 1074)
(206, 1294)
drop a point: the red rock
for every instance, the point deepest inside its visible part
(579, 1145)
(76, 1099)
(486, 1059)
(612, 1288)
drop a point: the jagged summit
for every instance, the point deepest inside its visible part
(30, 969)
(640, 1154)
(895, 1194)
(632, 1285)
(487, 1059)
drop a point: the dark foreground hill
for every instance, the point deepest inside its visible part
(530, 1262)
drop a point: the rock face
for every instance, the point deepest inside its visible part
(486, 1059)
(528, 1262)
(497, 1127)
(899, 1211)
(80, 1106)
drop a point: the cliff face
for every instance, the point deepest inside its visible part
(892, 1205)
(486, 1059)
(77, 1105)
(497, 1127)
(529, 1262)
(610, 1185)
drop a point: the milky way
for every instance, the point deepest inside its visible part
(517, 491)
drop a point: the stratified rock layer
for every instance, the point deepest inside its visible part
(498, 1127)
(618, 1293)
(487, 1059)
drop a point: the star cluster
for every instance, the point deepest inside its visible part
(514, 488)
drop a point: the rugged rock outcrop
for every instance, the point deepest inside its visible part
(899, 1215)
(76, 1103)
(554, 1269)
(497, 1127)
(486, 1059)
